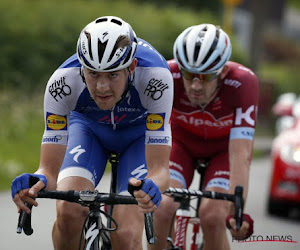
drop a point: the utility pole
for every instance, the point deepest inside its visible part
(259, 10)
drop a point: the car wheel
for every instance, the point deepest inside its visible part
(277, 208)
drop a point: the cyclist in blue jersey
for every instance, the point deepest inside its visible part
(114, 95)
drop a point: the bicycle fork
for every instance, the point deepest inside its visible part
(183, 219)
(93, 227)
(94, 231)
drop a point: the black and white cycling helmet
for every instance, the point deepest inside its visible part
(202, 49)
(98, 46)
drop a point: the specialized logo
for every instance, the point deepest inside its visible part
(155, 121)
(77, 151)
(155, 89)
(91, 234)
(139, 172)
(59, 89)
(56, 122)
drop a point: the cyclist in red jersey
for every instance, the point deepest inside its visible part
(213, 120)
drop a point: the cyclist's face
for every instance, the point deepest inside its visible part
(200, 92)
(106, 88)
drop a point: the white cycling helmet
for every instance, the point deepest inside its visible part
(202, 49)
(99, 47)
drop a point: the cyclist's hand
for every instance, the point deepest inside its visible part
(246, 229)
(149, 197)
(25, 187)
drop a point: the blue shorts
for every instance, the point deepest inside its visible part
(90, 145)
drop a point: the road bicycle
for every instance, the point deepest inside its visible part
(96, 234)
(183, 217)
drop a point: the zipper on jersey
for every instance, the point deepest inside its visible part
(112, 118)
(202, 109)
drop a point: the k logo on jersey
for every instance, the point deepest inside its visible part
(246, 116)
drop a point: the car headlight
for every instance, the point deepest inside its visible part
(290, 154)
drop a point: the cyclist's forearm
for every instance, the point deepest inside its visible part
(51, 159)
(160, 176)
(240, 155)
(157, 158)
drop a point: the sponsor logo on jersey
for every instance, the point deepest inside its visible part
(128, 109)
(207, 120)
(233, 83)
(246, 116)
(59, 89)
(107, 119)
(221, 172)
(176, 75)
(52, 139)
(56, 122)
(155, 122)
(155, 89)
(158, 140)
(146, 45)
(246, 69)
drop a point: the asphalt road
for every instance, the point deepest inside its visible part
(266, 227)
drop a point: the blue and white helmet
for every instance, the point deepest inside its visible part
(100, 48)
(202, 49)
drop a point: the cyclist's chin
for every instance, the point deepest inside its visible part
(107, 105)
(197, 101)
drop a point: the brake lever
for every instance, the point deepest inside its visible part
(149, 228)
(24, 221)
(239, 206)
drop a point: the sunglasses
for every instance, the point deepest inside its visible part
(203, 77)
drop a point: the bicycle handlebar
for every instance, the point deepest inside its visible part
(236, 198)
(84, 198)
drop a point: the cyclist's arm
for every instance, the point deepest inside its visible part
(240, 155)
(51, 158)
(157, 158)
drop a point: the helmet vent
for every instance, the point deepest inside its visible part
(128, 56)
(184, 49)
(116, 22)
(88, 36)
(211, 50)
(101, 49)
(99, 20)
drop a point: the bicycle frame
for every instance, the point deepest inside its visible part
(96, 232)
(183, 218)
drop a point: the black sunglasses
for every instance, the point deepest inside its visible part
(202, 77)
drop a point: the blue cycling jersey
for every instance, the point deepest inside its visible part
(72, 117)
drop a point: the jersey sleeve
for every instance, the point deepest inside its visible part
(61, 94)
(156, 94)
(246, 104)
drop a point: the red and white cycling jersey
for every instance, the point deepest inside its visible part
(235, 105)
(204, 132)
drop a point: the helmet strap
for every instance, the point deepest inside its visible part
(129, 82)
